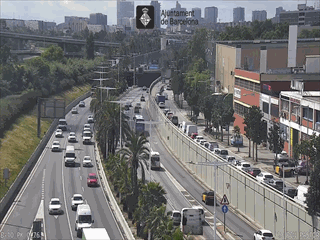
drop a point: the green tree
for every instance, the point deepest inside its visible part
(53, 53)
(151, 195)
(247, 121)
(258, 130)
(136, 154)
(90, 46)
(198, 44)
(276, 143)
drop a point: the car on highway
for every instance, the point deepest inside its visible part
(244, 166)
(92, 180)
(288, 168)
(175, 120)
(58, 133)
(230, 158)
(277, 184)
(62, 124)
(87, 161)
(90, 119)
(169, 115)
(86, 125)
(138, 104)
(264, 177)
(223, 153)
(144, 88)
(74, 110)
(82, 104)
(208, 197)
(165, 111)
(72, 137)
(142, 99)
(76, 200)
(176, 217)
(202, 142)
(86, 129)
(136, 109)
(194, 135)
(168, 87)
(254, 171)
(162, 105)
(55, 146)
(147, 91)
(281, 156)
(198, 138)
(55, 206)
(263, 234)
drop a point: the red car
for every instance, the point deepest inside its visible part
(193, 135)
(92, 180)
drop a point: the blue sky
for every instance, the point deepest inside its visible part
(55, 10)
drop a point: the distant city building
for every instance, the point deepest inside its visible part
(211, 14)
(96, 28)
(78, 24)
(303, 16)
(34, 25)
(197, 13)
(125, 9)
(276, 18)
(13, 23)
(98, 19)
(67, 19)
(157, 12)
(238, 14)
(177, 8)
(259, 15)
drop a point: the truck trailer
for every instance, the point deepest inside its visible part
(95, 234)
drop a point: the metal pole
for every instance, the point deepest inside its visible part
(39, 117)
(284, 210)
(150, 153)
(101, 92)
(120, 128)
(134, 71)
(224, 222)
(215, 199)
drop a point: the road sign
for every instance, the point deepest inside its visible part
(225, 209)
(224, 200)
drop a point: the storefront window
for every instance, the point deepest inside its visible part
(274, 110)
(265, 107)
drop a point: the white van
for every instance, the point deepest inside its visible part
(202, 212)
(302, 190)
(183, 126)
(191, 129)
(83, 218)
(70, 156)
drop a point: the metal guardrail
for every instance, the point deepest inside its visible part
(254, 201)
(15, 187)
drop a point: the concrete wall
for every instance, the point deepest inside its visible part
(259, 203)
(225, 64)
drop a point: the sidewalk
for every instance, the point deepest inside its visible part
(265, 156)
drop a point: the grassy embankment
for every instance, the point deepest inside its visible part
(20, 142)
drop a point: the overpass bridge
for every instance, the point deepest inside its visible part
(59, 40)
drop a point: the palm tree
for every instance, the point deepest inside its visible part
(159, 224)
(135, 155)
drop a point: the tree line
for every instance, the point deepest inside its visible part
(51, 73)
(144, 202)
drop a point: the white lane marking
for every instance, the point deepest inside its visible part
(65, 201)
(80, 177)
(82, 189)
(24, 187)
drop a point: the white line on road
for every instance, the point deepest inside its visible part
(82, 189)
(65, 201)
(80, 177)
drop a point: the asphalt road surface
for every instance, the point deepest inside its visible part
(52, 179)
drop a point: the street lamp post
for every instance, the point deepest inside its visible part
(119, 102)
(216, 165)
(108, 88)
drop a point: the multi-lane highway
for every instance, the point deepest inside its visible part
(51, 178)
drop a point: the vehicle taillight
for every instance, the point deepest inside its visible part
(263, 238)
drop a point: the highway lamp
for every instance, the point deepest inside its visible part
(120, 102)
(215, 165)
(108, 88)
(101, 79)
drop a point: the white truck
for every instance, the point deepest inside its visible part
(95, 234)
